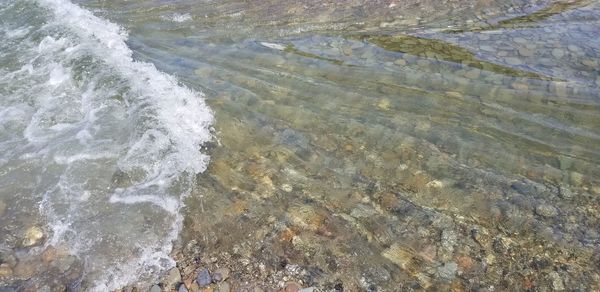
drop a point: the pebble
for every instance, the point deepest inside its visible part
(513, 61)
(203, 279)
(172, 279)
(525, 52)
(287, 188)
(447, 271)
(309, 289)
(558, 53)
(291, 287)
(400, 62)
(223, 287)
(546, 210)
(557, 282)
(221, 275)
(33, 236)
(5, 271)
(49, 254)
(155, 288)
(182, 288)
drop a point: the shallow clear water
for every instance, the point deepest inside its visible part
(381, 145)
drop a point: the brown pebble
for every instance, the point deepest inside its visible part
(291, 287)
(49, 254)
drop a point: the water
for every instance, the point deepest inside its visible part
(357, 144)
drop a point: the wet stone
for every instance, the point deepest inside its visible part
(5, 271)
(447, 271)
(525, 52)
(220, 275)
(291, 287)
(557, 282)
(203, 279)
(172, 279)
(513, 61)
(558, 53)
(182, 288)
(33, 236)
(546, 210)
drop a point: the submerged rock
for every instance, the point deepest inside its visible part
(203, 279)
(546, 210)
(33, 236)
(221, 275)
(172, 279)
(447, 271)
(5, 271)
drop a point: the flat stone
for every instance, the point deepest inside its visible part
(546, 210)
(203, 279)
(525, 52)
(33, 236)
(447, 272)
(558, 53)
(557, 282)
(291, 287)
(513, 61)
(5, 271)
(223, 287)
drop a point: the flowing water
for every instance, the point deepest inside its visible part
(355, 145)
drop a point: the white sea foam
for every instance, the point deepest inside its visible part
(119, 154)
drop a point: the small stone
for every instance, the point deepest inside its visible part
(24, 270)
(546, 210)
(223, 287)
(473, 74)
(220, 275)
(49, 254)
(203, 279)
(525, 52)
(182, 288)
(558, 53)
(33, 236)
(309, 289)
(287, 188)
(513, 61)
(172, 279)
(589, 62)
(155, 288)
(560, 88)
(291, 287)
(557, 282)
(384, 104)
(5, 271)
(400, 62)
(447, 271)
(573, 48)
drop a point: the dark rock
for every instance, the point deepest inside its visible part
(182, 288)
(203, 279)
